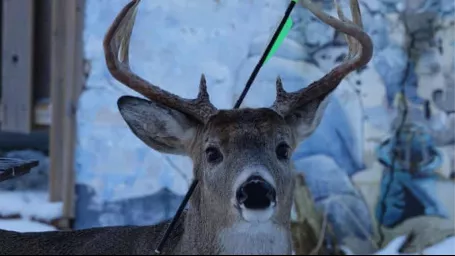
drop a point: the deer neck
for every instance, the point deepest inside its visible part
(209, 230)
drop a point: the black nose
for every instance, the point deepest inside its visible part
(256, 193)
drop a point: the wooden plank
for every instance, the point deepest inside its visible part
(68, 170)
(57, 78)
(11, 168)
(17, 65)
(42, 113)
(74, 84)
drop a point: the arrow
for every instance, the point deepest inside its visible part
(282, 30)
(277, 38)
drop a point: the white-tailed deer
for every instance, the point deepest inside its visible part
(241, 157)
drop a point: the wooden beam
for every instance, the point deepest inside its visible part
(57, 78)
(74, 81)
(67, 80)
(17, 65)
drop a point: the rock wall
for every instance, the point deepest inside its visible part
(121, 181)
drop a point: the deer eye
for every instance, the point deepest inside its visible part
(282, 151)
(213, 155)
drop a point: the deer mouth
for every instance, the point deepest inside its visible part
(256, 199)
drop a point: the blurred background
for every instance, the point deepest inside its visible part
(58, 106)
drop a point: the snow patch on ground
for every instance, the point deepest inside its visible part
(24, 225)
(445, 247)
(29, 204)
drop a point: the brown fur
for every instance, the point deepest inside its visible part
(246, 137)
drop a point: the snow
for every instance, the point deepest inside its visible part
(24, 225)
(445, 247)
(29, 204)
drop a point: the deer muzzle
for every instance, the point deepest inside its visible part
(256, 194)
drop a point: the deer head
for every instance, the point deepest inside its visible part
(241, 157)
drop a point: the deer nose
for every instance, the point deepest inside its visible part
(256, 194)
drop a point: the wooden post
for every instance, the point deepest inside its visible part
(74, 80)
(67, 82)
(57, 78)
(17, 65)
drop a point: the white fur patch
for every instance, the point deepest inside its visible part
(254, 170)
(254, 239)
(257, 216)
(254, 216)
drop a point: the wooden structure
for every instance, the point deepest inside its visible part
(11, 168)
(42, 76)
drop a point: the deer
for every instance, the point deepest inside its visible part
(241, 157)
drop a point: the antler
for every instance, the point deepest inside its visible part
(116, 48)
(360, 53)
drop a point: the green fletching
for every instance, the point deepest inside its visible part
(283, 33)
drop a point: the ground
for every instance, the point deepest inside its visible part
(24, 225)
(27, 211)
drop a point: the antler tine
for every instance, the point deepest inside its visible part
(354, 46)
(360, 53)
(116, 48)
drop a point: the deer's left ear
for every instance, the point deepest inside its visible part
(306, 118)
(160, 127)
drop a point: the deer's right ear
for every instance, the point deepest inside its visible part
(306, 118)
(160, 127)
